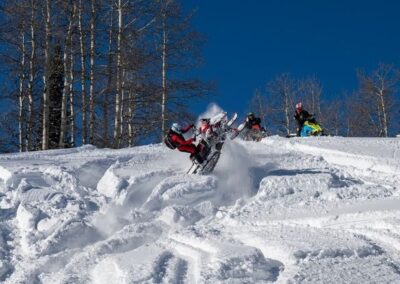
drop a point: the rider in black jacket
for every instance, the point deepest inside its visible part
(253, 122)
(302, 116)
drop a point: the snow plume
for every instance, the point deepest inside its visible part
(212, 110)
(233, 173)
(233, 167)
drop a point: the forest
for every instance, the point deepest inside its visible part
(116, 73)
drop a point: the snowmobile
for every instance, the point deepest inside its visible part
(254, 134)
(311, 129)
(212, 133)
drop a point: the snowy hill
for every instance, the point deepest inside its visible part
(317, 210)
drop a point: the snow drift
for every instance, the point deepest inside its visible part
(313, 210)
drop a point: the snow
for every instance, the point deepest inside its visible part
(298, 210)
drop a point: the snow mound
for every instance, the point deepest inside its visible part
(321, 210)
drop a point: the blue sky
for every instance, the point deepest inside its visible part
(250, 42)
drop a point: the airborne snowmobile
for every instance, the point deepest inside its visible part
(213, 132)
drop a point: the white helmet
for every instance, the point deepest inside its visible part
(176, 128)
(299, 105)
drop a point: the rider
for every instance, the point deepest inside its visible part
(253, 122)
(175, 139)
(302, 116)
(206, 129)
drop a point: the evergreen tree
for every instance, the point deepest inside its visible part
(55, 85)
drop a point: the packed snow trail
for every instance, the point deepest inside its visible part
(313, 210)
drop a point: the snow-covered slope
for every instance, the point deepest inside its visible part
(317, 210)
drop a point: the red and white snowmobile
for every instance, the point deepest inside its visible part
(212, 133)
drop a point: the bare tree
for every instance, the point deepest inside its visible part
(109, 89)
(164, 7)
(311, 92)
(67, 78)
(83, 72)
(258, 104)
(358, 119)
(71, 81)
(377, 91)
(333, 117)
(118, 97)
(92, 66)
(45, 122)
(21, 94)
(32, 72)
(282, 91)
(18, 54)
(133, 58)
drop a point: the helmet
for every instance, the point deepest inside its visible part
(205, 120)
(299, 105)
(250, 114)
(176, 128)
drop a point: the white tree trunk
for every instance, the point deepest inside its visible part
(287, 112)
(45, 124)
(67, 83)
(164, 79)
(71, 90)
(83, 75)
(21, 96)
(31, 78)
(123, 105)
(118, 97)
(130, 119)
(122, 111)
(92, 62)
(109, 79)
(384, 121)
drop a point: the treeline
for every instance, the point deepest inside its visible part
(104, 72)
(370, 111)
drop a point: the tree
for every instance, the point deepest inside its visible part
(333, 117)
(179, 52)
(67, 88)
(83, 71)
(282, 92)
(258, 104)
(92, 71)
(55, 85)
(311, 93)
(357, 119)
(127, 60)
(46, 88)
(32, 74)
(376, 93)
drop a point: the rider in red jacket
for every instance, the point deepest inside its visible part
(178, 141)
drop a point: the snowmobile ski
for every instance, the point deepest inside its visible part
(232, 120)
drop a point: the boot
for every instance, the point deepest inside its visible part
(199, 158)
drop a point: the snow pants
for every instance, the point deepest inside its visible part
(187, 148)
(192, 149)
